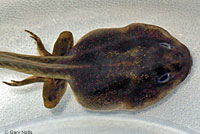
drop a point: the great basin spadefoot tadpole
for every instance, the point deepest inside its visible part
(113, 68)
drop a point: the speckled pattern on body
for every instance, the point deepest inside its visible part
(113, 68)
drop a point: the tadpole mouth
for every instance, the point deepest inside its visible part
(184, 64)
(187, 58)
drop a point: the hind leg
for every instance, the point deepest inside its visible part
(29, 80)
(41, 49)
(43, 52)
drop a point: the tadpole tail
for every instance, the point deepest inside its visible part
(44, 66)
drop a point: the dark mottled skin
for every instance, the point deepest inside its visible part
(115, 68)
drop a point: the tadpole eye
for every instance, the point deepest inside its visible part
(164, 78)
(166, 45)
